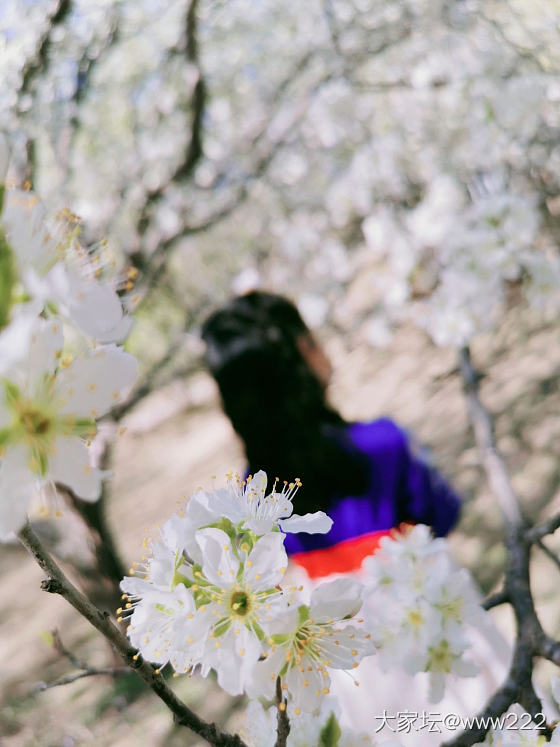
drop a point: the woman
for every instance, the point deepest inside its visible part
(272, 377)
(368, 477)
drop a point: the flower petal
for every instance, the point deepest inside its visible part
(335, 600)
(94, 307)
(219, 564)
(47, 340)
(70, 465)
(16, 488)
(91, 385)
(267, 562)
(316, 523)
(15, 339)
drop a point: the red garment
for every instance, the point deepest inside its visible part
(344, 557)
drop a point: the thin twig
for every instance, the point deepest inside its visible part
(155, 265)
(494, 600)
(194, 148)
(85, 669)
(548, 552)
(89, 672)
(534, 534)
(66, 653)
(57, 583)
(283, 722)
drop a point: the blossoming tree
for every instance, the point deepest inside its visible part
(413, 144)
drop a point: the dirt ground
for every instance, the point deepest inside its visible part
(178, 438)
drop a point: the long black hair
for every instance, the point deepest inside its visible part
(276, 403)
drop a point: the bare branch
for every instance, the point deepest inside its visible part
(86, 670)
(66, 653)
(39, 61)
(494, 600)
(548, 552)
(283, 723)
(534, 534)
(57, 583)
(550, 649)
(154, 267)
(36, 64)
(530, 640)
(90, 672)
(484, 434)
(193, 151)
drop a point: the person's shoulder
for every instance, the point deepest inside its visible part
(379, 435)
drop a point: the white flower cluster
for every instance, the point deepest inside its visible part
(519, 731)
(450, 261)
(418, 606)
(305, 729)
(52, 292)
(208, 594)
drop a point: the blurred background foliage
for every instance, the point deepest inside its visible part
(361, 156)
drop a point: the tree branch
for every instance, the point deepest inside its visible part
(89, 672)
(39, 61)
(57, 583)
(492, 460)
(193, 151)
(283, 722)
(549, 554)
(534, 534)
(86, 670)
(530, 640)
(494, 600)
(155, 265)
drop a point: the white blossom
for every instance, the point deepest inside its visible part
(247, 504)
(305, 729)
(216, 614)
(49, 405)
(55, 269)
(309, 640)
(419, 607)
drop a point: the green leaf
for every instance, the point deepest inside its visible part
(330, 733)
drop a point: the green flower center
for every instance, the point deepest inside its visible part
(440, 658)
(34, 422)
(240, 603)
(37, 423)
